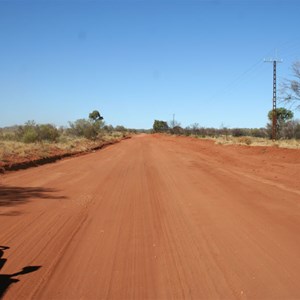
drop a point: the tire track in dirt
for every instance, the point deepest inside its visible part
(156, 217)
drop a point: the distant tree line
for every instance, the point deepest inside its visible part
(31, 132)
(91, 128)
(287, 128)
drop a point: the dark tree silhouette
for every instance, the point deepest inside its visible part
(95, 116)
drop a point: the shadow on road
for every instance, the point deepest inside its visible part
(7, 279)
(13, 195)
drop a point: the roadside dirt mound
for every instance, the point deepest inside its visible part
(15, 162)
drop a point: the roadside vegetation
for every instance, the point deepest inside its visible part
(288, 128)
(32, 141)
(288, 131)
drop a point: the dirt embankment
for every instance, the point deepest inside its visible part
(34, 159)
(154, 217)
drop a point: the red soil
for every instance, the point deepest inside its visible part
(154, 217)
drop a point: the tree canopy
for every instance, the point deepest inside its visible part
(95, 115)
(282, 115)
(160, 126)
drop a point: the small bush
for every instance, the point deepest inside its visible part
(120, 128)
(32, 133)
(47, 132)
(237, 132)
(85, 128)
(30, 136)
(245, 140)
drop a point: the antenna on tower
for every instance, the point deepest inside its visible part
(274, 114)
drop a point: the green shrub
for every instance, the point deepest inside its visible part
(30, 136)
(120, 128)
(160, 126)
(32, 133)
(85, 128)
(47, 132)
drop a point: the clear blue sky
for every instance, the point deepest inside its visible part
(136, 61)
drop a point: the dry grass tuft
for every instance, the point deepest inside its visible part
(254, 141)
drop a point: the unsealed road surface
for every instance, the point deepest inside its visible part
(154, 217)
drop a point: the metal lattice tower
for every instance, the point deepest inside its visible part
(274, 115)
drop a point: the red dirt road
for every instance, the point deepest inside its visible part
(154, 217)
